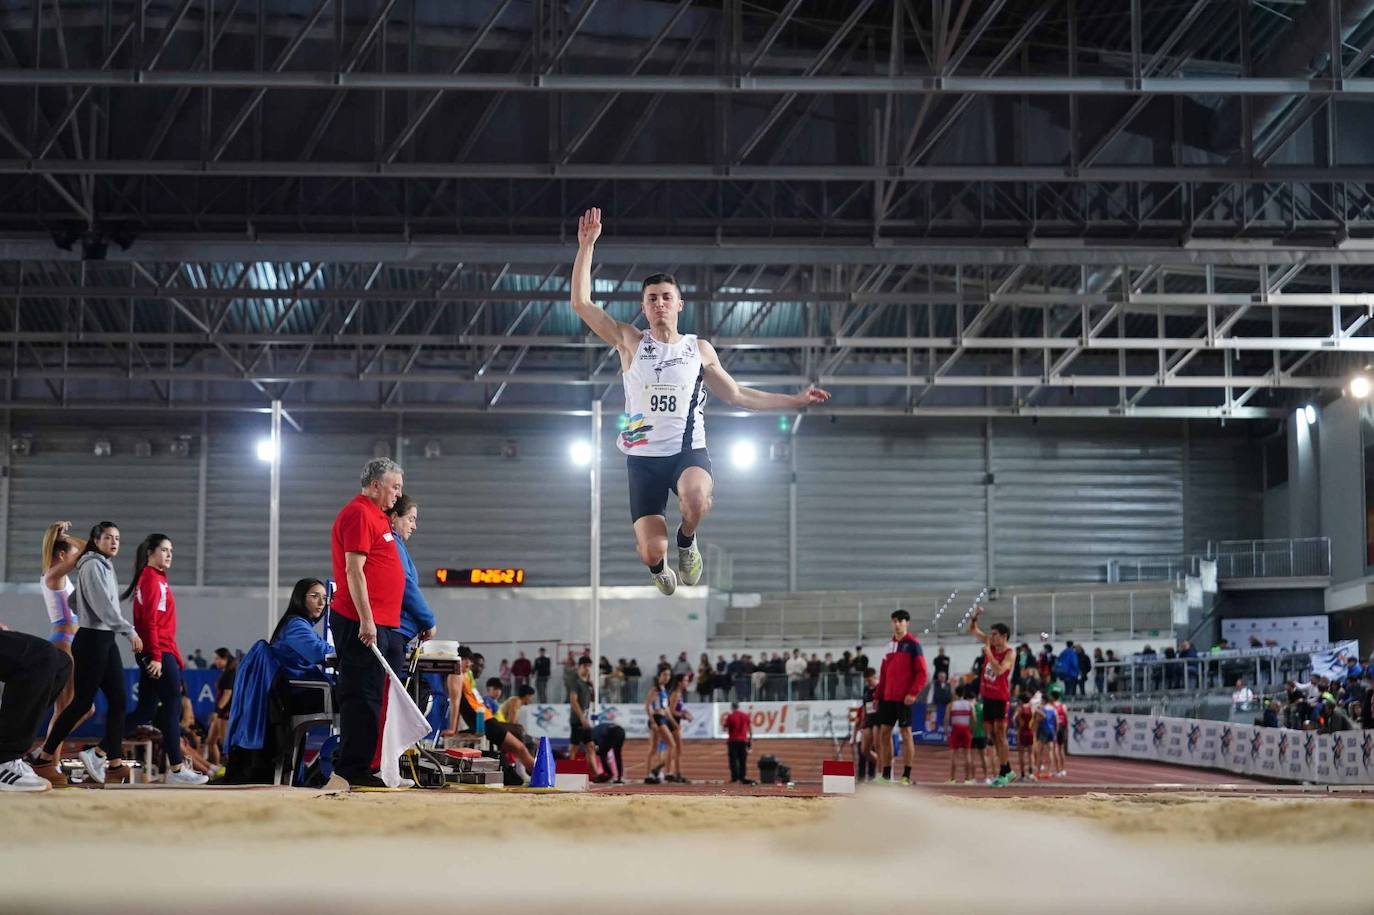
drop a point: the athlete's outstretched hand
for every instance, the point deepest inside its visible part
(589, 227)
(812, 395)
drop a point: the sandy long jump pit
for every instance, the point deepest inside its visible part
(888, 849)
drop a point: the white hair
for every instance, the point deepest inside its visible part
(378, 468)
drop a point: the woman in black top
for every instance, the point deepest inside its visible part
(227, 665)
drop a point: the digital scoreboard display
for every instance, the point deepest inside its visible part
(479, 578)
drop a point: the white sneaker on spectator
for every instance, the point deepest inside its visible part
(17, 775)
(94, 764)
(185, 776)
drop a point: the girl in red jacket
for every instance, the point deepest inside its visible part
(160, 662)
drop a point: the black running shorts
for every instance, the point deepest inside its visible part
(652, 478)
(994, 710)
(894, 714)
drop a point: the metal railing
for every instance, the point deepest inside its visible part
(1150, 568)
(1090, 613)
(1304, 557)
(853, 618)
(1301, 557)
(1209, 678)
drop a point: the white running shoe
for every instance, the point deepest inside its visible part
(689, 564)
(185, 776)
(17, 775)
(94, 765)
(665, 581)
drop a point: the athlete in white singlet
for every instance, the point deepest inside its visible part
(60, 552)
(666, 375)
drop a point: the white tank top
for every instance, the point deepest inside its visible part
(58, 602)
(664, 399)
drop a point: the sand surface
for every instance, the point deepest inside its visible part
(274, 850)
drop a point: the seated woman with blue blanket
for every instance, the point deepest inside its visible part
(264, 699)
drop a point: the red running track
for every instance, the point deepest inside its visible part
(704, 763)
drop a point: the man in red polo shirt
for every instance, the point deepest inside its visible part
(739, 736)
(366, 612)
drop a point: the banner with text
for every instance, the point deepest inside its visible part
(1343, 758)
(768, 719)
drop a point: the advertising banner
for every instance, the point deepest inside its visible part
(1343, 758)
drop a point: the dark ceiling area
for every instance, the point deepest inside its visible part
(1083, 208)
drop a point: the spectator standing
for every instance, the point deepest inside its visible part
(569, 673)
(198, 660)
(941, 696)
(940, 663)
(1100, 674)
(632, 677)
(1085, 666)
(520, 671)
(95, 653)
(814, 669)
(366, 613)
(1191, 674)
(795, 668)
(758, 678)
(1066, 667)
(543, 669)
(844, 670)
(682, 667)
(705, 675)
(739, 737)
(1243, 697)
(160, 663)
(860, 660)
(580, 718)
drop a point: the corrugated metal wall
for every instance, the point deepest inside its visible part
(1225, 501)
(1069, 497)
(891, 507)
(63, 480)
(880, 505)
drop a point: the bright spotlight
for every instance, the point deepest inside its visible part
(267, 451)
(1359, 387)
(743, 455)
(1309, 413)
(580, 452)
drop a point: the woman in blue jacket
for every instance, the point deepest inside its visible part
(296, 645)
(416, 617)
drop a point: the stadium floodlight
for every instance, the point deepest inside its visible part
(1309, 413)
(580, 452)
(743, 454)
(267, 450)
(1359, 387)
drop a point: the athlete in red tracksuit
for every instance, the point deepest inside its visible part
(901, 678)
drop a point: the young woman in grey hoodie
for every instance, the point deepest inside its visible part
(95, 653)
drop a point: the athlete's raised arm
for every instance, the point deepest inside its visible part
(973, 629)
(616, 333)
(719, 383)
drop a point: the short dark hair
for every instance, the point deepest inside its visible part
(1001, 628)
(900, 615)
(494, 682)
(524, 691)
(584, 661)
(401, 506)
(870, 672)
(654, 279)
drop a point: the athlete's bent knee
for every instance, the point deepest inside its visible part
(649, 555)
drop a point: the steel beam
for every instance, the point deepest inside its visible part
(696, 84)
(454, 409)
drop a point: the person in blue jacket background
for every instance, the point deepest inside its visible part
(416, 617)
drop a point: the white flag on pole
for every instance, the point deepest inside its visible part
(402, 725)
